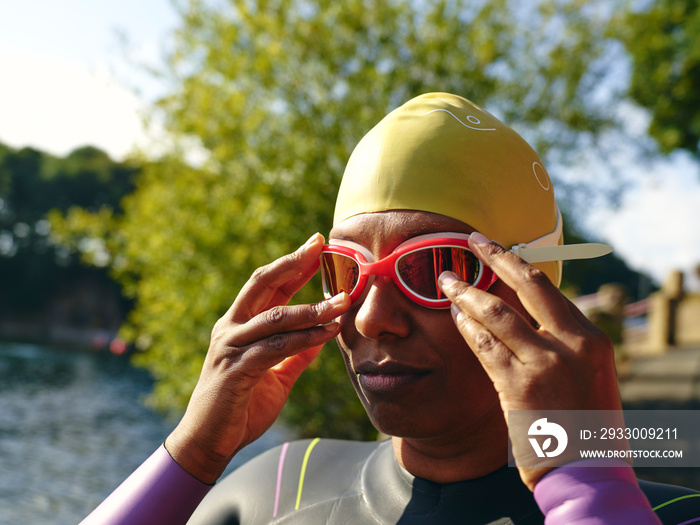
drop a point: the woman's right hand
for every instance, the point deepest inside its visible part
(258, 350)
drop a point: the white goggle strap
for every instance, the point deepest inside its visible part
(546, 248)
(543, 249)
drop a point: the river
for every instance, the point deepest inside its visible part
(72, 427)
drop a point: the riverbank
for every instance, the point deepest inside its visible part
(72, 428)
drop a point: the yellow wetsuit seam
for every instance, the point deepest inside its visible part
(303, 470)
(676, 499)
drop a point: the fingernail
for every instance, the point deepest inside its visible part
(337, 300)
(447, 279)
(311, 241)
(455, 309)
(479, 238)
(330, 327)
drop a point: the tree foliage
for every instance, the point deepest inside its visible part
(274, 94)
(662, 41)
(32, 183)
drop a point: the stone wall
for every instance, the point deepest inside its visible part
(674, 316)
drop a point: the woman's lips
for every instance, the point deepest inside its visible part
(388, 376)
(387, 383)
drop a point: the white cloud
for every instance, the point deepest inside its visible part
(657, 228)
(56, 105)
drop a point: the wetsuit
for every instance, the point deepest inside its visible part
(344, 482)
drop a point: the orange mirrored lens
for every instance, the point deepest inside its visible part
(419, 270)
(340, 273)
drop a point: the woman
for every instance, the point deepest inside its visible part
(443, 332)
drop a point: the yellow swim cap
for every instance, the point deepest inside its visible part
(441, 153)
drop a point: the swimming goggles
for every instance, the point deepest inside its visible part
(416, 264)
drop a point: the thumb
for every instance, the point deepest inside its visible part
(289, 370)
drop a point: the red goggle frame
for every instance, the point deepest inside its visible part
(414, 266)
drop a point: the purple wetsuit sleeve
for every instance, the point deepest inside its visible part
(159, 492)
(599, 493)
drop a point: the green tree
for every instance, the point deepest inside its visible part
(662, 41)
(273, 95)
(32, 183)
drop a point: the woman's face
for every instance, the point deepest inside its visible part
(411, 368)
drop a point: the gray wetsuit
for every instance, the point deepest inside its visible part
(344, 482)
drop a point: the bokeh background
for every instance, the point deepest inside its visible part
(152, 154)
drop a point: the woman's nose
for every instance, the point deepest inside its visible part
(382, 313)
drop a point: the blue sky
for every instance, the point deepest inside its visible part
(67, 79)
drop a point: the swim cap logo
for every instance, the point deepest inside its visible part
(470, 118)
(541, 175)
(542, 427)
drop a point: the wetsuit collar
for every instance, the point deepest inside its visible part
(394, 494)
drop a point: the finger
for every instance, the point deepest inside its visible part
(494, 356)
(271, 351)
(577, 314)
(285, 292)
(543, 301)
(493, 314)
(281, 278)
(280, 319)
(289, 370)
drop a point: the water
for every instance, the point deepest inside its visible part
(72, 428)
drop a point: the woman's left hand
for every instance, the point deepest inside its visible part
(566, 363)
